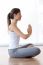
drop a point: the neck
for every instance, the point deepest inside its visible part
(14, 22)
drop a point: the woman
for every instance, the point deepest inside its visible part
(14, 36)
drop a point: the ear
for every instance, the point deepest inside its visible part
(14, 15)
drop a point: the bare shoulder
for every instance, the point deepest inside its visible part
(11, 27)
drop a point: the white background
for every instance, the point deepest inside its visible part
(32, 13)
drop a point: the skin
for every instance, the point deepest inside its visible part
(13, 27)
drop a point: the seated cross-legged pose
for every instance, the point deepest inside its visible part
(15, 33)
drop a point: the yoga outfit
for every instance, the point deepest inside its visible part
(20, 52)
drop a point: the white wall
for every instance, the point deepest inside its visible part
(32, 13)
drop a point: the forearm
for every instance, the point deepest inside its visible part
(20, 33)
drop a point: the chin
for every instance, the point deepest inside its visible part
(19, 19)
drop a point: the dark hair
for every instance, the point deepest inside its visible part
(11, 15)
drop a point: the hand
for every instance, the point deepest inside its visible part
(29, 29)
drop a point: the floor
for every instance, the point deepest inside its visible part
(6, 60)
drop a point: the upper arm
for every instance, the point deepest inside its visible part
(19, 33)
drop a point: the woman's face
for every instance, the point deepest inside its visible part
(18, 16)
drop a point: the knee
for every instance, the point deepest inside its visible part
(38, 51)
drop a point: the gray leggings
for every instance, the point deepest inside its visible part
(24, 52)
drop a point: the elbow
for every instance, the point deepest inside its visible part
(24, 37)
